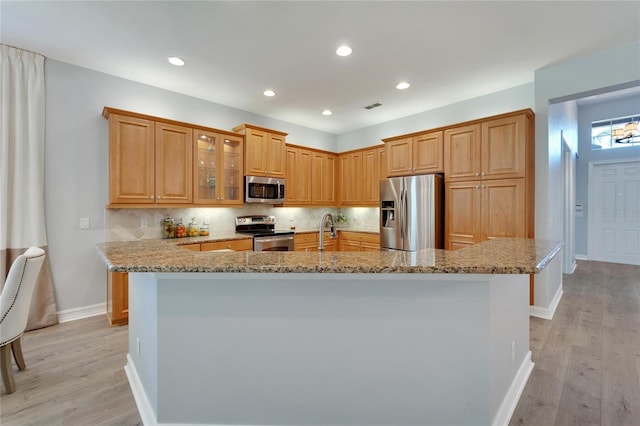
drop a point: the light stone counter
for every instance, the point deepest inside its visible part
(499, 256)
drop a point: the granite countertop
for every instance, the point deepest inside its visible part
(339, 229)
(499, 256)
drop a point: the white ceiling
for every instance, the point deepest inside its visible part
(448, 51)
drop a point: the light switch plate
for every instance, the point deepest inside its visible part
(84, 223)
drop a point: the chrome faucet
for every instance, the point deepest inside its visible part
(332, 228)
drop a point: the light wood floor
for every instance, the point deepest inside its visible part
(587, 363)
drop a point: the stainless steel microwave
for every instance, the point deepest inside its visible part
(265, 190)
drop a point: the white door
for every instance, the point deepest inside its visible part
(614, 212)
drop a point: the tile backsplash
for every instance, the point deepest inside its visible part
(129, 224)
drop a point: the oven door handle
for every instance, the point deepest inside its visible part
(271, 240)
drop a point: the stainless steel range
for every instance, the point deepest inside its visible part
(265, 236)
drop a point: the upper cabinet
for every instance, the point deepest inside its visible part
(265, 151)
(217, 172)
(492, 149)
(298, 176)
(323, 178)
(415, 154)
(149, 162)
(359, 176)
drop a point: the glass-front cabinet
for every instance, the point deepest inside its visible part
(218, 168)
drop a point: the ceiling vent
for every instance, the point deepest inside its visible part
(372, 106)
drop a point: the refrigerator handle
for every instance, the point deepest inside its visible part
(401, 214)
(405, 212)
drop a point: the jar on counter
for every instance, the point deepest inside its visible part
(181, 229)
(192, 229)
(168, 228)
(204, 230)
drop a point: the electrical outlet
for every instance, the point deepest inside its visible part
(144, 223)
(138, 346)
(84, 223)
(513, 351)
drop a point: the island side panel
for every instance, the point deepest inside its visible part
(300, 349)
(509, 334)
(143, 327)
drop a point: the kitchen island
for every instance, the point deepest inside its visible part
(295, 338)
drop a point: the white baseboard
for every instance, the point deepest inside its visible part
(574, 265)
(510, 401)
(547, 313)
(82, 312)
(582, 257)
(139, 395)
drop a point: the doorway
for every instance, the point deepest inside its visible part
(614, 211)
(569, 201)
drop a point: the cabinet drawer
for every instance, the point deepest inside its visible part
(237, 245)
(193, 247)
(309, 237)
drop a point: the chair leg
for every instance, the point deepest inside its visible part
(5, 367)
(16, 347)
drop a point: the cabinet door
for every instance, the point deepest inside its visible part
(206, 147)
(382, 165)
(343, 181)
(399, 153)
(329, 179)
(117, 298)
(256, 150)
(275, 154)
(231, 175)
(131, 160)
(462, 153)
(304, 160)
(503, 148)
(370, 177)
(428, 153)
(462, 214)
(174, 159)
(291, 195)
(503, 209)
(355, 178)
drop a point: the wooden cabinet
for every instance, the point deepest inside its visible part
(298, 176)
(149, 162)
(117, 298)
(493, 149)
(218, 170)
(323, 179)
(416, 154)
(309, 241)
(265, 151)
(477, 211)
(489, 174)
(351, 178)
(358, 241)
(370, 177)
(235, 245)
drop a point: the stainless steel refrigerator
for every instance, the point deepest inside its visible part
(412, 212)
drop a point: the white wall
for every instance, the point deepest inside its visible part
(573, 79)
(516, 98)
(76, 163)
(586, 115)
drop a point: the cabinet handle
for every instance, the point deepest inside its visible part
(477, 174)
(484, 186)
(228, 246)
(477, 186)
(221, 198)
(483, 173)
(158, 197)
(151, 197)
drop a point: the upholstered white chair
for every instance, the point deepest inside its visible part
(15, 301)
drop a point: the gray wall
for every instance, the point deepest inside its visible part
(516, 98)
(586, 115)
(76, 174)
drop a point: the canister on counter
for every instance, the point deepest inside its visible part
(168, 228)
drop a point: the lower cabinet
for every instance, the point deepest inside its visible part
(235, 245)
(117, 298)
(358, 241)
(309, 241)
(481, 210)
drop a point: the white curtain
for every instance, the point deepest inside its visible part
(22, 121)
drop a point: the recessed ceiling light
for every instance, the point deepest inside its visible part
(343, 51)
(269, 93)
(402, 85)
(326, 112)
(174, 60)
